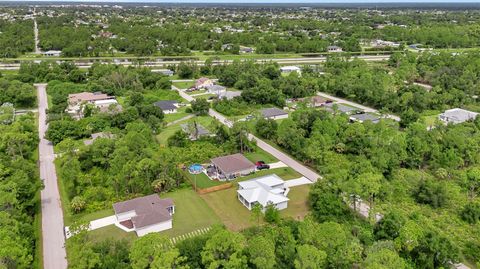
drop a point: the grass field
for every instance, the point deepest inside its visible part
(202, 181)
(298, 204)
(236, 217)
(225, 204)
(260, 155)
(176, 116)
(183, 85)
(165, 133)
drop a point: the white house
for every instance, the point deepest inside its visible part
(290, 69)
(166, 72)
(52, 53)
(457, 115)
(146, 214)
(334, 49)
(266, 190)
(216, 89)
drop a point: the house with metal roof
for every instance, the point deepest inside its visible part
(266, 190)
(341, 108)
(274, 113)
(146, 214)
(290, 69)
(365, 117)
(216, 89)
(167, 106)
(457, 115)
(232, 166)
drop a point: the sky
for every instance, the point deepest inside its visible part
(264, 1)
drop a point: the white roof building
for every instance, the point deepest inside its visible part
(457, 115)
(288, 69)
(264, 190)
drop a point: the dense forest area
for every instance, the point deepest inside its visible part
(19, 192)
(424, 182)
(16, 38)
(179, 32)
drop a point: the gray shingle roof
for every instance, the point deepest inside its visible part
(342, 108)
(166, 105)
(149, 210)
(365, 117)
(233, 163)
(273, 112)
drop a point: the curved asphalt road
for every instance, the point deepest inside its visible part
(286, 159)
(54, 254)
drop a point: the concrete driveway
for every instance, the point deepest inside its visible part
(54, 254)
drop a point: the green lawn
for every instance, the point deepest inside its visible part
(260, 155)
(165, 133)
(176, 116)
(298, 204)
(233, 214)
(111, 232)
(237, 217)
(285, 173)
(184, 85)
(202, 181)
(191, 213)
(196, 92)
(205, 96)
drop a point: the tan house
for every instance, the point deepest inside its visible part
(102, 101)
(203, 82)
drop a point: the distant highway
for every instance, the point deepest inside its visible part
(164, 64)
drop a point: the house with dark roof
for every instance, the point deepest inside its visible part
(232, 166)
(274, 113)
(148, 214)
(167, 106)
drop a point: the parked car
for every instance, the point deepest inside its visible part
(263, 167)
(259, 163)
(249, 117)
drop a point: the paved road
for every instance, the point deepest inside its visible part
(54, 254)
(35, 31)
(365, 108)
(163, 64)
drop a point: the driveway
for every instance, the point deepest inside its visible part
(297, 182)
(96, 224)
(54, 254)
